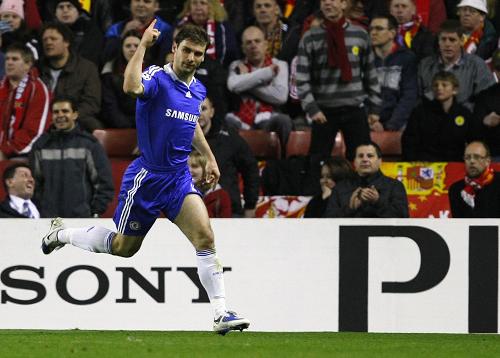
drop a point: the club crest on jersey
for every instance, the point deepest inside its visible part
(188, 94)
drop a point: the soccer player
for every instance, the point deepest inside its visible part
(168, 108)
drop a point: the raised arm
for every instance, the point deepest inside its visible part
(132, 84)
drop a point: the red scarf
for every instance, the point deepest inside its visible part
(408, 31)
(337, 52)
(471, 42)
(210, 28)
(472, 185)
(249, 106)
(15, 105)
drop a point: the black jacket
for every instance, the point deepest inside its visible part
(7, 212)
(433, 135)
(392, 203)
(235, 157)
(487, 102)
(72, 174)
(487, 201)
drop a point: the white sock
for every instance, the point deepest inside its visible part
(212, 278)
(93, 238)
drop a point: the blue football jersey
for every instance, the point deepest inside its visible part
(166, 117)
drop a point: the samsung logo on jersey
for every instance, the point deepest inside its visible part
(181, 115)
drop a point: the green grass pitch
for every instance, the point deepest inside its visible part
(128, 344)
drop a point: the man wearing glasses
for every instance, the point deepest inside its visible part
(478, 194)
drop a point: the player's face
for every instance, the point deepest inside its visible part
(200, 11)
(265, 11)
(13, 19)
(476, 159)
(206, 113)
(129, 46)
(333, 10)
(15, 66)
(22, 183)
(54, 45)
(366, 161)
(450, 46)
(443, 90)
(143, 10)
(195, 169)
(402, 10)
(63, 116)
(66, 13)
(187, 57)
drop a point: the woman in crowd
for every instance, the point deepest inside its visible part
(118, 109)
(333, 170)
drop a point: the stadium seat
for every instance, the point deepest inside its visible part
(264, 144)
(300, 141)
(389, 143)
(117, 142)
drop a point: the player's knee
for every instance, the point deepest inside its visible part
(204, 239)
(126, 248)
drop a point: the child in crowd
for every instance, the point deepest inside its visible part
(216, 199)
(438, 129)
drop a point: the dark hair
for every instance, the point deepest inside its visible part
(451, 26)
(373, 144)
(120, 62)
(25, 52)
(446, 76)
(192, 33)
(10, 171)
(339, 167)
(70, 100)
(392, 23)
(64, 30)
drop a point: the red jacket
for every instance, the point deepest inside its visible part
(218, 203)
(25, 118)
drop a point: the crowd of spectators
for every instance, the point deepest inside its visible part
(428, 69)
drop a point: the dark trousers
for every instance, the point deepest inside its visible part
(353, 123)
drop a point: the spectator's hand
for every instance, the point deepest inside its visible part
(243, 68)
(132, 25)
(372, 118)
(136, 151)
(275, 68)
(491, 120)
(369, 195)
(2, 156)
(377, 126)
(319, 118)
(212, 173)
(249, 213)
(326, 192)
(150, 36)
(355, 201)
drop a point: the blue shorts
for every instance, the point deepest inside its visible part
(145, 192)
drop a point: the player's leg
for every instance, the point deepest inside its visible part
(193, 221)
(93, 238)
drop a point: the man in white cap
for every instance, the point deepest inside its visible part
(480, 37)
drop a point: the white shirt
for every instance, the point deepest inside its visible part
(17, 203)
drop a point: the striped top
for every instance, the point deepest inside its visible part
(318, 84)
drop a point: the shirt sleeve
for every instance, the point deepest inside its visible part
(150, 81)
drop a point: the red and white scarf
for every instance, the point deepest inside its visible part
(472, 185)
(210, 28)
(471, 42)
(250, 106)
(15, 103)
